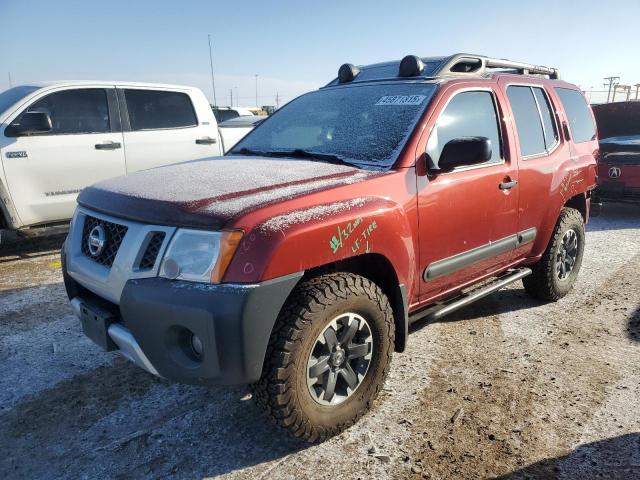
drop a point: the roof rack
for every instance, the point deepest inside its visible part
(456, 65)
(475, 65)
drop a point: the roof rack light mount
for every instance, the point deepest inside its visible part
(464, 63)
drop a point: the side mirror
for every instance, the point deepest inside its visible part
(464, 151)
(30, 123)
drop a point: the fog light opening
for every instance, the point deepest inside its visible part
(196, 345)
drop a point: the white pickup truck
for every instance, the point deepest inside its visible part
(57, 138)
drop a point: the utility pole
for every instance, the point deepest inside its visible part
(237, 104)
(256, 90)
(637, 85)
(610, 80)
(231, 92)
(10, 83)
(213, 82)
(277, 101)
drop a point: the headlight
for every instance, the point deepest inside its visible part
(199, 256)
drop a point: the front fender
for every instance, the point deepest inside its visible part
(324, 234)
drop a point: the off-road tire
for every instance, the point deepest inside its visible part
(544, 282)
(282, 390)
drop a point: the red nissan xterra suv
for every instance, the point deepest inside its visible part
(297, 261)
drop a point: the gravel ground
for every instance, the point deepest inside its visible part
(508, 387)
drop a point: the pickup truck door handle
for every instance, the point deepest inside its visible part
(508, 185)
(108, 146)
(206, 141)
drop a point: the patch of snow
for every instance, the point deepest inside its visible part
(295, 217)
(215, 178)
(265, 197)
(228, 186)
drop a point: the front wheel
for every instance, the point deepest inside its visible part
(328, 355)
(556, 272)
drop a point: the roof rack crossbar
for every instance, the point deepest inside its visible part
(482, 63)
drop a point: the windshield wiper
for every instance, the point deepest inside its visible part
(248, 151)
(295, 153)
(322, 157)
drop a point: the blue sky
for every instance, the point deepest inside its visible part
(295, 46)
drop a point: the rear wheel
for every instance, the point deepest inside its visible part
(328, 356)
(556, 272)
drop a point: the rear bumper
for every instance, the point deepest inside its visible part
(617, 192)
(156, 318)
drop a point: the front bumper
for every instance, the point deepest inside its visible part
(156, 318)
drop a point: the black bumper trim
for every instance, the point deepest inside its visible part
(233, 323)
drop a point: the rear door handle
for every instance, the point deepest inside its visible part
(508, 185)
(206, 141)
(108, 146)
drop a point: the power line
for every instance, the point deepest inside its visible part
(213, 82)
(610, 80)
(256, 90)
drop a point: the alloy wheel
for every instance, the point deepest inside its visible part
(339, 359)
(567, 254)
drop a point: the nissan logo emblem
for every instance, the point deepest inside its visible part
(96, 240)
(614, 172)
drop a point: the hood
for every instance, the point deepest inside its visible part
(629, 143)
(209, 193)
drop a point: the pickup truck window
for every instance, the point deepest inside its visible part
(468, 114)
(156, 109)
(14, 95)
(580, 121)
(74, 111)
(365, 125)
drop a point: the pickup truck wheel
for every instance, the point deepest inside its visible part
(328, 356)
(556, 272)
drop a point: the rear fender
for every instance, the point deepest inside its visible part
(570, 189)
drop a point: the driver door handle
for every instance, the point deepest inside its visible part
(508, 185)
(108, 146)
(206, 141)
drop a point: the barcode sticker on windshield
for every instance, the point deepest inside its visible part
(401, 100)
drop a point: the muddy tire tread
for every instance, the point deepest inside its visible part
(539, 284)
(275, 391)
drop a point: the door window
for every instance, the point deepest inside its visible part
(74, 111)
(534, 120)
(468, 114)
(548, 123)
(224, 115)
(577, 110)
(155, 109)
(528, 122)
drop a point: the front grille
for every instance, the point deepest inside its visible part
(114, 234)
(151, 252)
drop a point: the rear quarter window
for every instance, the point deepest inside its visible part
(578, 114)
(155, 109)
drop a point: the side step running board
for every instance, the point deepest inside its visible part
(441, 309)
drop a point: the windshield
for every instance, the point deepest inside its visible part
(13, 95)
(361, 125)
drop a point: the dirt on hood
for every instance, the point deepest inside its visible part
(208, 193)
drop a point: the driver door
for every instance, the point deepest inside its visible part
(45, 171)
(467, 221)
